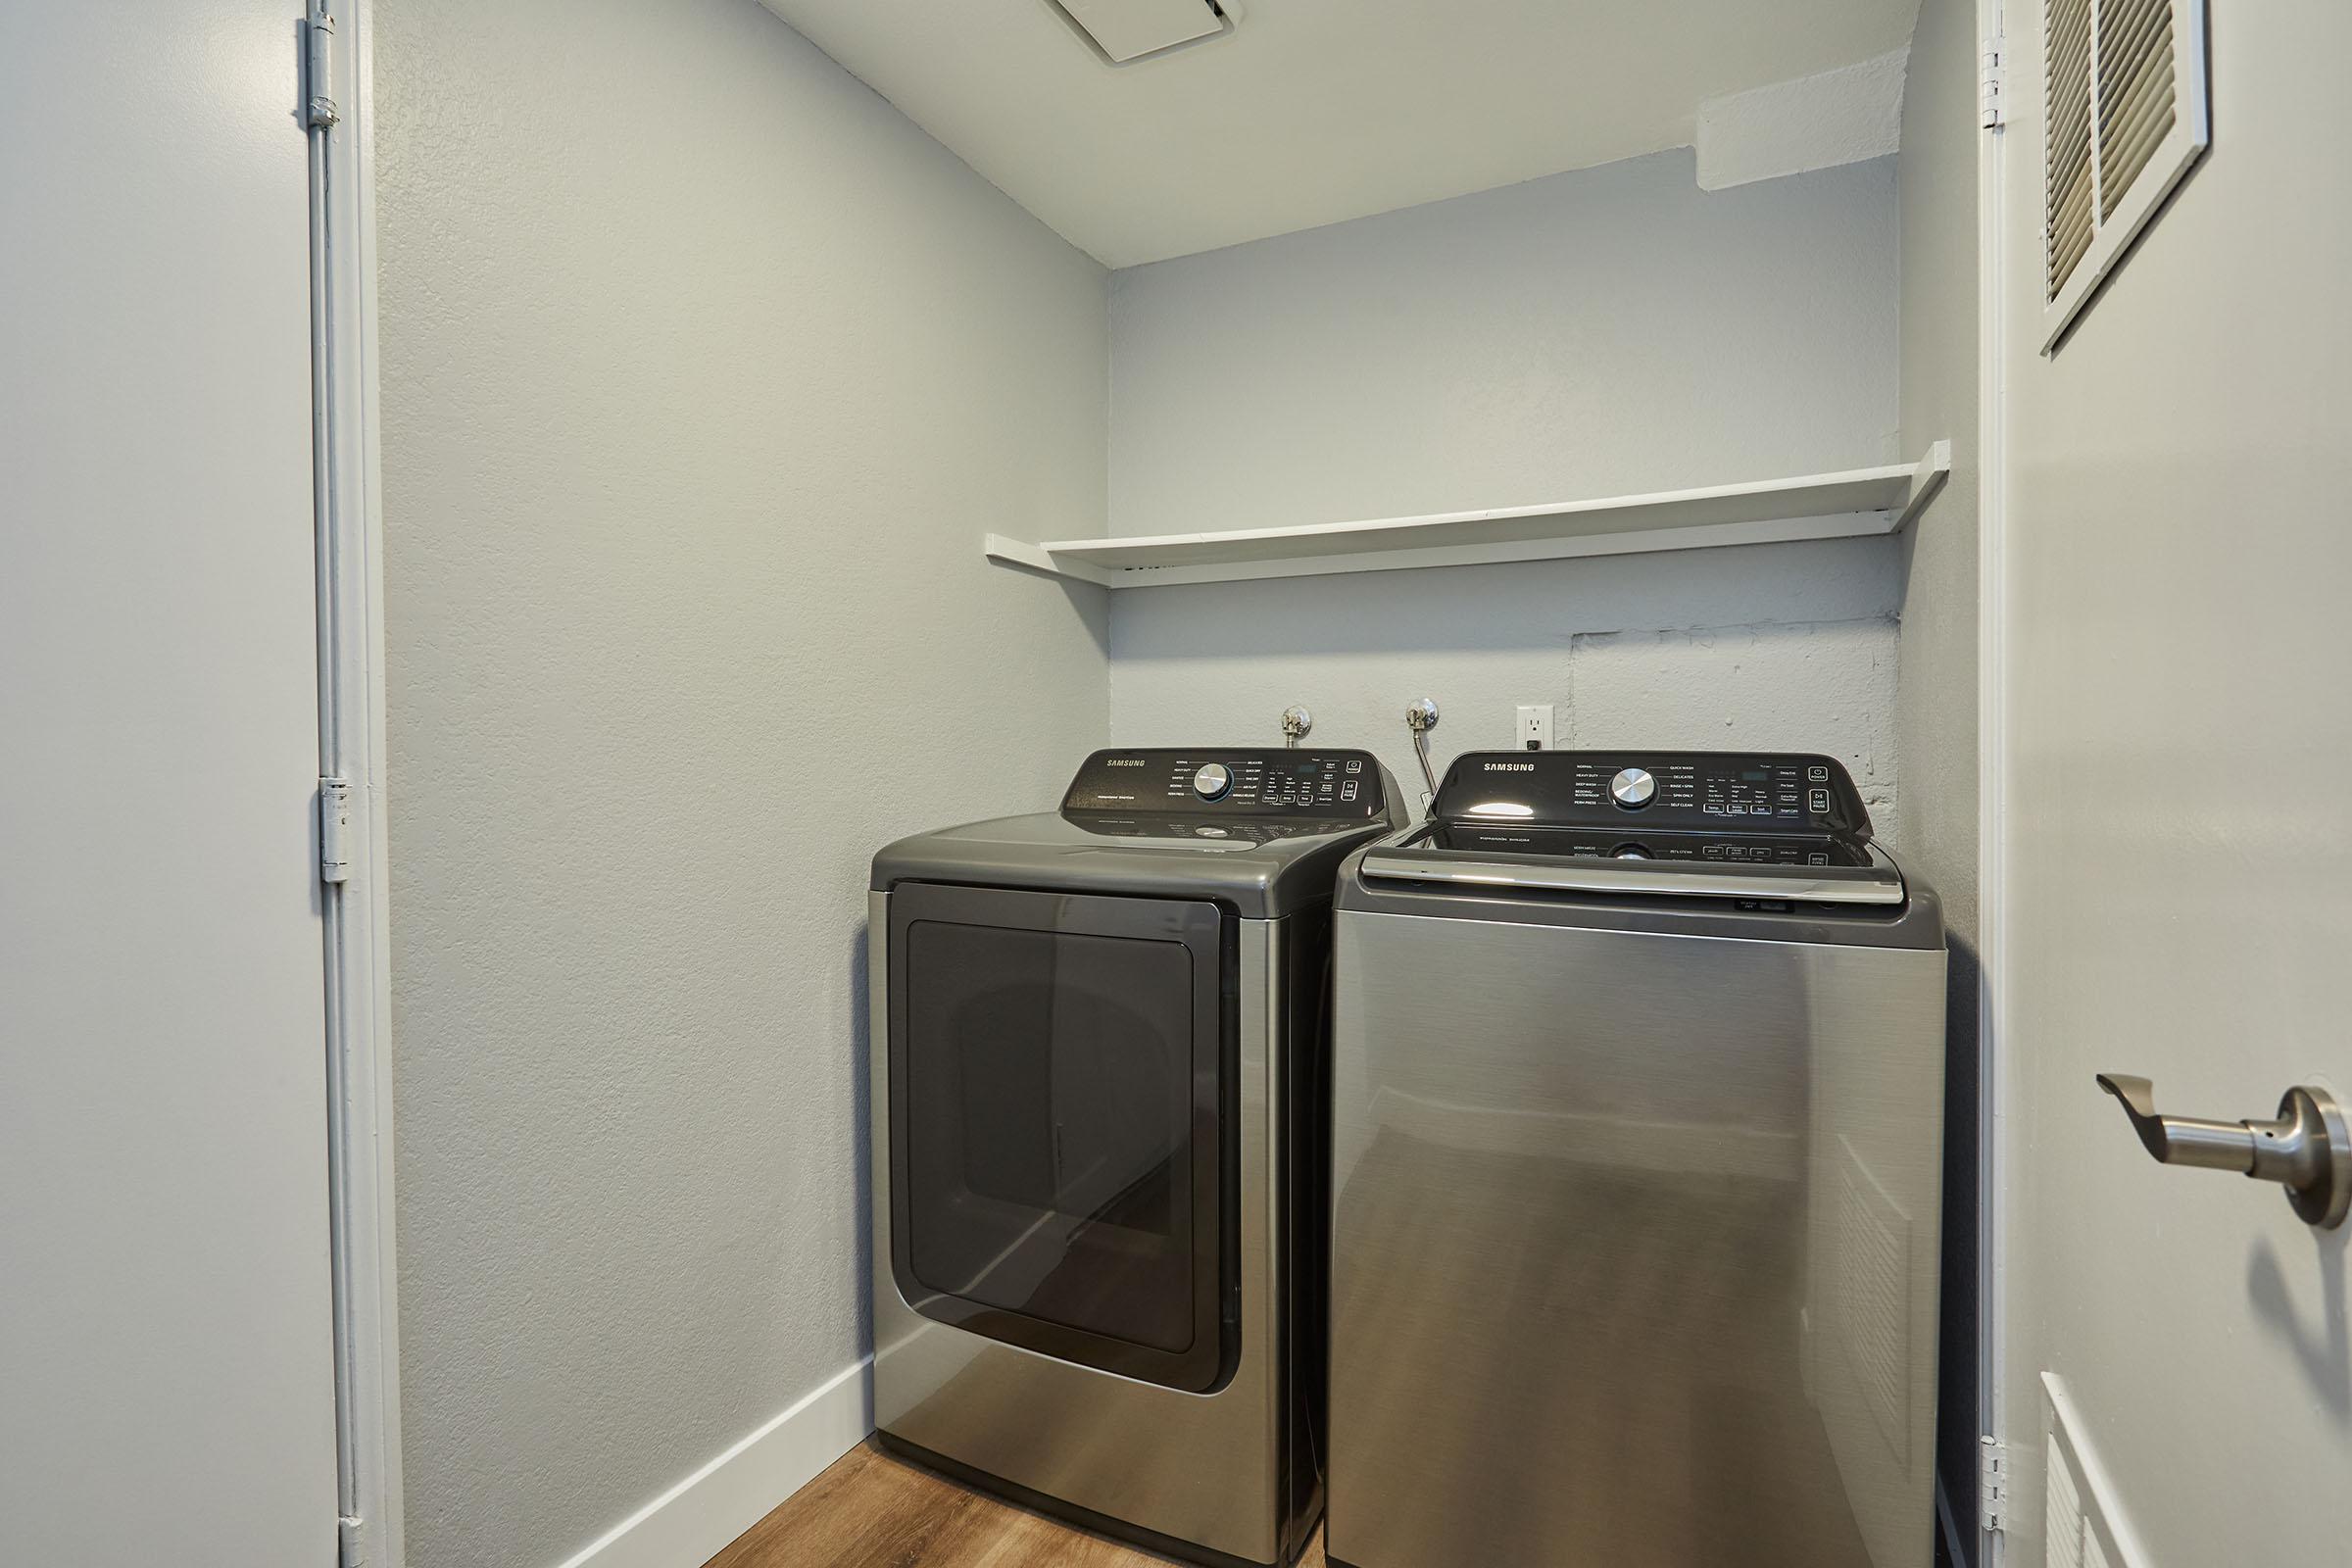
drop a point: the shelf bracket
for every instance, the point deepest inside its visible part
(1926, 481)
(1035, 558)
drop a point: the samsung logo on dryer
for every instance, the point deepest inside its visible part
(1123, 761)
(1510, 768)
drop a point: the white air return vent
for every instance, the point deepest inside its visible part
(2125, 94)
(1123, 32)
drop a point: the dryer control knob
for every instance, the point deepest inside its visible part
(1213, 780)
(1631, 852)
(1634, 788)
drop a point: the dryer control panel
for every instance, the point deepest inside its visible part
(1732, 794)
(1321, 785)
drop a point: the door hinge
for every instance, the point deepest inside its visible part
(1993, 105)
(351, 1542)
(1993, 1484)
(318, 70)
(334, 829)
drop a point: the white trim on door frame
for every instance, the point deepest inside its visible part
(352, 706)
(1993, 963)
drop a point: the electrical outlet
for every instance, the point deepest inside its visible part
(1535, 727)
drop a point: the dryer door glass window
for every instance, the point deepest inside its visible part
(1058, 1084)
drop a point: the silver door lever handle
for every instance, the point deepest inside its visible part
(2308, 1150)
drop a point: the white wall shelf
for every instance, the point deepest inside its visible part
(1855, 503)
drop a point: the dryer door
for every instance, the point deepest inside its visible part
(1062, 1148)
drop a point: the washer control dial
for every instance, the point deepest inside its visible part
(1634, 788)
(1629, 852)
(1211, 781)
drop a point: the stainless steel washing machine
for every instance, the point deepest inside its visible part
(1100, 1100)
(1637, 1132)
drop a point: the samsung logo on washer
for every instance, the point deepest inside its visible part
(1123, 761)
(1510, 768)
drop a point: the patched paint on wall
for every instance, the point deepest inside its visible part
(1606, 333)
(1772, 686)
(1670, 657)
(691, 428)
(1819, 121)
(1936, 711)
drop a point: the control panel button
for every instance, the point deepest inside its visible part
(1347, 791)
(1817, 774)
(1819, 803)
(1212, 782)
(1634, 788)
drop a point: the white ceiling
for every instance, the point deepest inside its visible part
(1317, 111)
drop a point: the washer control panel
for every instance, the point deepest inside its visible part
(1725, 793)
(1622, 842)
(1335, 786)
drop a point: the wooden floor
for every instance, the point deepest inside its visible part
(871, 1510)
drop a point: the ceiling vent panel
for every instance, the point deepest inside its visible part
(2125, 118)
(1123, 32)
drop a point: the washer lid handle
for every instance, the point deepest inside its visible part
(1880, 885)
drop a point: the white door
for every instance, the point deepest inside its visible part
(2177, 693)
(166, 1353)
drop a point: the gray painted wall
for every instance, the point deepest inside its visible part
(1936, 707)
(1602, 332)
(1936, 694)
(691, 428)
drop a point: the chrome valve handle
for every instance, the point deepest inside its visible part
(2308, 1150)
(1421, 717)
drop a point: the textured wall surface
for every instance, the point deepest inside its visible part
(1818, 121)
(1936, 708)
(1935, 712)
(1604, 332)
(1704, 650)
(692, 423)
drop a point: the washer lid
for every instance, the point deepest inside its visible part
(1861, 874)
(1263, 868)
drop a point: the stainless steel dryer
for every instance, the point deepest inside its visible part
(1099, 1102)
(1638, 1116)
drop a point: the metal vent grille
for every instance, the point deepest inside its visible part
(2124, 93)
(2060, 1512)
(2067, 176)
(2136, 92)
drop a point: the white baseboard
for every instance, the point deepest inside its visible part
(687, 1525)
